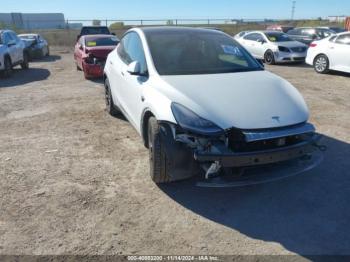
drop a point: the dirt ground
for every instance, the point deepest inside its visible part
(74, 180)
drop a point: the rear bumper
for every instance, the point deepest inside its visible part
(229, 159)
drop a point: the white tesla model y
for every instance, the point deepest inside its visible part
(200, 101)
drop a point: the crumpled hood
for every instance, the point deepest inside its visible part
(100, 51)
(249, 100)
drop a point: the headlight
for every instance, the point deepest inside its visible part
(189, 120)
(283, 49)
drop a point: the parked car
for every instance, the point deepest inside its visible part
(281, 28)
(307, 35)
(36, 45)
(93, 30)
(273, 47)
(198, 98)
(334, 29)
(12, 52)
(332, 53)
(90, 53)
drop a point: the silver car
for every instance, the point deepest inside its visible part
(273, 47)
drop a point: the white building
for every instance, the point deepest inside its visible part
(33, 20)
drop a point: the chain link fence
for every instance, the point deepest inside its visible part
(64, 32)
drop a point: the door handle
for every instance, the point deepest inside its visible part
(122, 73)
(111, 62)
(332, 47)
(142, 98)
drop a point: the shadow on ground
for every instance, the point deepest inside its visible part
(22, 77)
(308, 214)
(51, 58)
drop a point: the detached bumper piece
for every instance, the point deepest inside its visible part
(93, 67)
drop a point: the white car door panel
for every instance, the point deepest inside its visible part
(339, 53)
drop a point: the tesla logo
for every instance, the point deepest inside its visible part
(277, 118)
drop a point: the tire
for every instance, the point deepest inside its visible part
(269, 58)
(25, 63)
(110, 107)
(7, 67)
(321, 64)
(157, 155)
(48, 51)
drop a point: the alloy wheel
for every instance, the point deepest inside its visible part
(321, 64)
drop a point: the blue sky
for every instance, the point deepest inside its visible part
(161, 9)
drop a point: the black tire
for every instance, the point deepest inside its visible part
(25, 63)
(157, 155)
(7, 67)
(110, 107)
(321, 64)
(269, 58)
(48, 51)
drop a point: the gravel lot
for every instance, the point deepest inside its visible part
(75, 180)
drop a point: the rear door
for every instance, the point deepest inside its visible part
(339, 53)
(250, 42)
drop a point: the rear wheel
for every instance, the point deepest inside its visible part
(157, 155)
(321, 64)
(269, 58)
(25, 63)
(48, 51)
(7, 67)
(110, 107)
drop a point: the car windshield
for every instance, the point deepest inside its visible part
(101, 41)
(95, 31)
(278, 37)
(181, 52)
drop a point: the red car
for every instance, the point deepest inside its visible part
(91, 52)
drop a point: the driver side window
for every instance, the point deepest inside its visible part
(130, 50)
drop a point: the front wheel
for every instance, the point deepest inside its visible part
(321, 64)
(25, 63)
(157, 156)
(269, 58)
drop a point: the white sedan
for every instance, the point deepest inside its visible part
(273, 47)
(332, 53)
(197, 98)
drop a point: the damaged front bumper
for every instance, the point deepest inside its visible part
(227, 158)
(283, 151)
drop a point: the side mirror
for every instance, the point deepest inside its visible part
(81, 47)
(134, 68)
(261, 41)
(78, 36)
(113, 34)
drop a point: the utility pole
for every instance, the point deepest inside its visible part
(293, 9)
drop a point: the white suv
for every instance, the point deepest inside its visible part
(12, 52)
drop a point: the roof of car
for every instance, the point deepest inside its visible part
(157, 29)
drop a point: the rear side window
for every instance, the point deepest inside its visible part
(253, 37)
(343, 39)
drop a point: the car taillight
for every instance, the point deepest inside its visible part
(313, 45)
